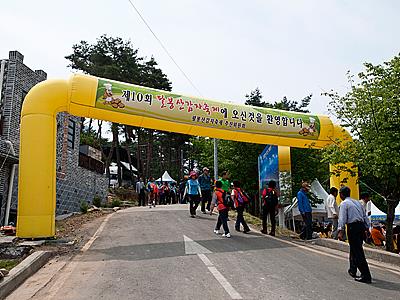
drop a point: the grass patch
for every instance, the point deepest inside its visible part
(257, 224)
(8, 264)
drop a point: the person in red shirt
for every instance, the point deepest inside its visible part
(219, 201)
(241, 201)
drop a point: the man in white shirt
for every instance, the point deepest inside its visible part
(364, 200)
(333, 210)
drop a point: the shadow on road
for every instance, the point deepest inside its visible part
(386, 285)
(174, 249)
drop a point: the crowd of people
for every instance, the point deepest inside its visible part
(222, 195)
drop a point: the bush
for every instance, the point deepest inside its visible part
(116, 203)
(84, 207)
(97, 201)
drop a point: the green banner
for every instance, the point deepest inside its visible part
(146, 102)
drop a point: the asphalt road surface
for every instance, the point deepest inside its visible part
(162, 253)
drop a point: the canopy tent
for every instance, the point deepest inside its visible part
(376, 213)
(165, 178)
(397, 213)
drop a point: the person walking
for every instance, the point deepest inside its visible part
(140, 190)
(305, 210)
(182, 186)
(365, 202)
(270, 197)
(205, 186)
(240, 200)
(152, 192)
(193, 191)
(226, 185)
(353, 215)
(333, 210)
(218, 199)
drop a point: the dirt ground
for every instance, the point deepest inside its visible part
(72, 233)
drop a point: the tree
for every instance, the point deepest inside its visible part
(114, 58)
(371, 112)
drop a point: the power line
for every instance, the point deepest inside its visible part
(165, 49)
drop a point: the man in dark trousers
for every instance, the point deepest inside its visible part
(305, 210)
(140, 190)
(353, 215)
(270, 198)
(205, 186)
(241, 201)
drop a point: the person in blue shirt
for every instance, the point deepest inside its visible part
(305, 210)
(205, 186)
(193, 191)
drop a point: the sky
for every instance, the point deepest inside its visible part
(226, 47)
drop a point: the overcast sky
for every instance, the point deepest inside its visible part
(227, 48)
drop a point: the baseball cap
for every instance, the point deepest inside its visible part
(206, 169)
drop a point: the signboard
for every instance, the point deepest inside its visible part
(268, 167)
(163, 105)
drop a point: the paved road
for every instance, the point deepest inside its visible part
(161, 253)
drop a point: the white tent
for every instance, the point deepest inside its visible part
(376, 213)
(165, 178)
(397, 213)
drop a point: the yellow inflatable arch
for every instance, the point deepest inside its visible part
(98, 98)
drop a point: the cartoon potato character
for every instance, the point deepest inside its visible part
(108, 95)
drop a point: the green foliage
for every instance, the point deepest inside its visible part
(84, 207)
(8, 264)
(306, 165)
(114, 58)
(371, 111)
(91, 139)
(116, 203)
(255, 99)
(97, 201)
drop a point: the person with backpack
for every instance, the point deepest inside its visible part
(161, 193)
(152, 192)
(192, 189)
(205, 185)
(219, 199)
(270, 197)
(167, 193)
(140, 190)
(226, 185)
(241, 200)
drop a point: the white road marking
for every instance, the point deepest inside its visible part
(205, 260)
(191, 247)
(96, 234)
(225, 284)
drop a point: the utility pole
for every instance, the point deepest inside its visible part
(216, 159)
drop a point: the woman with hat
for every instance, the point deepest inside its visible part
(192, 189)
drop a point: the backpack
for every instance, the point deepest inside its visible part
(271, 199)
(243, 198)
(228, 201)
